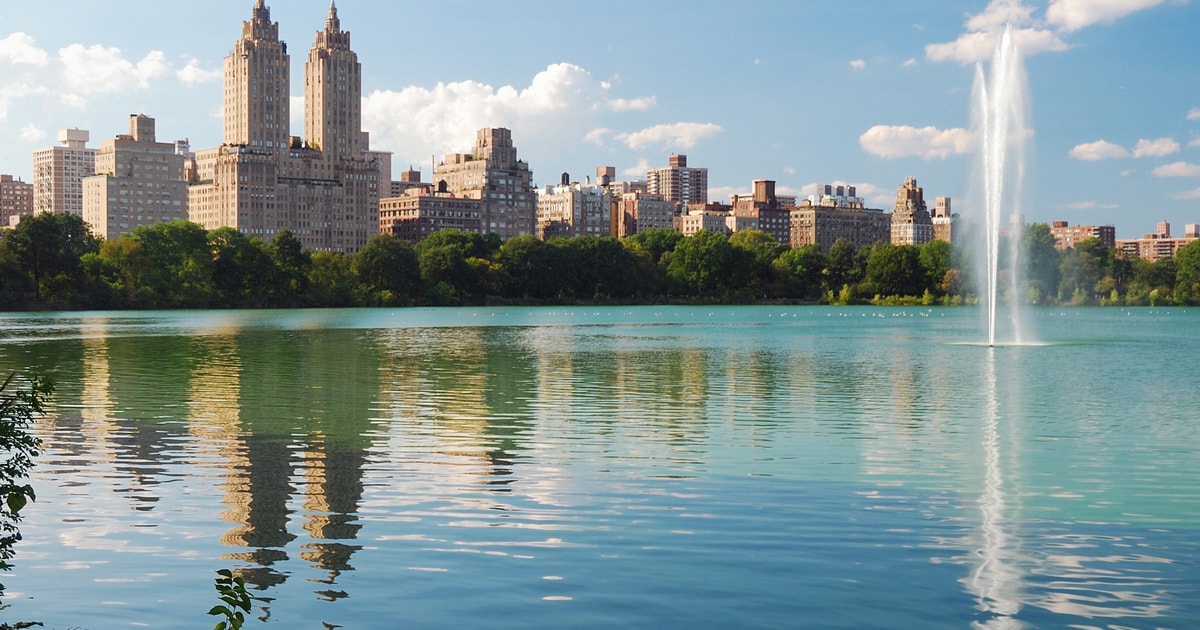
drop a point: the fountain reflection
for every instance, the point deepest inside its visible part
(996, 579)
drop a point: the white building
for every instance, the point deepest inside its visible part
(139, 182)
(58, 173)
(574, 210)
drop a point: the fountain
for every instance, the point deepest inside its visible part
(1001, 109)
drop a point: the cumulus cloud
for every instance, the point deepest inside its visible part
(1000, 13)
(193, 74)
(928, 143)
(908, 63)
(858, 65)
(562, 101)
(31, 133)
(1188, 195)
(1098, 150)
(1072, 15)
(1194, 114)
(1178, 169)
(681, 135)
(636, 104)
(1155, 148)
(18, 48)
(96, 69)
(979, 46)
(637, 170)
(10, 92)
(1195, 142)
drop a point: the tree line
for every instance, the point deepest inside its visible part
(53, 261)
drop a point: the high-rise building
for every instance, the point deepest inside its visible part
(641, 211)
(945, 222)
(16, 200)
(1067, 236)
(421, 211)
(492, 174)
(139, 181)
(58, 173)
(262, 180)
(911, 223)
(678, 182)
(772, 213)
(574, 209)
(1157, 246)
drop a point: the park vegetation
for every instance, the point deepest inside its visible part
(54, 262)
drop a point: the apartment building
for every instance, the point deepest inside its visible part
(58, 173)
(502, 183)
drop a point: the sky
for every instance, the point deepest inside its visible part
(802, 92)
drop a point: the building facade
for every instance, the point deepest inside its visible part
(1160, 245)
(262, 180)
(641, 211)
(911, 223)
(16, 200)
(492, 174)
(772, 214)
(945, 222)
(678, 182)
(58, 173)
(823, 225)
(1067, 236)
(574, 209)
(421, 211)
(139, 181)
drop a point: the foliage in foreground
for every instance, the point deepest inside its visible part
(235, 598)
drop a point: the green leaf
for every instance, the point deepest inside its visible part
(16, 501)
(220, 610)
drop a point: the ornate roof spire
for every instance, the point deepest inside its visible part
(332, 23)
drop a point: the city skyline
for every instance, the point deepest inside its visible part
(796, 92)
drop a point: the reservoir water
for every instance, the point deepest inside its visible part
(669, 467)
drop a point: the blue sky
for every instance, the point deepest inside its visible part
(865, 92)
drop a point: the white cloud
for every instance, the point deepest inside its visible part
(681, 135)
(858, 65)
(1089, 205)
(1072, 15)
(193, 74)
(928, 143)
(1178, 169)
(1098, 150)
(636, 104)
(908, 63)
(1155, 148)
(562, 101)
(979, 46)
(1188, 195)
(1000, 13)
(638, 170)
(10, 92)
(1194, 114)
(96, 69)
(1195, 142)
(31, 133)
(596, 136)
(790, 170)
(18, 48)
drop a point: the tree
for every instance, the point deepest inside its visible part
(293, 263)
(705, 264)
(1187, 274)
(180, 267)
(842, 265)
(331, 281)
(936, 259)
(761, 250)
(48, 248)
(387, 270)
(656, 242)
(18, 447)
(801, 268)
(1040, 262)
(529, 266)
(895, 270)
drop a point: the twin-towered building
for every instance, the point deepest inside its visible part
(324, 187)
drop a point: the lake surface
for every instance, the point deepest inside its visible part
(670, 467)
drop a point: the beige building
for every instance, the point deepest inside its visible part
(1160, 245)
(641, 211)
(58, 173)
(712, 217)
(139, 181)
(262, 180)
(16, 200)
(945, 222)
(574, 209)
(421, 211)
(492, 174)
(678, 182)
(823, 225)
(1067, 236)
(911, 222)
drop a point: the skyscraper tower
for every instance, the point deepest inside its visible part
(257, 85)
(333, 92)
